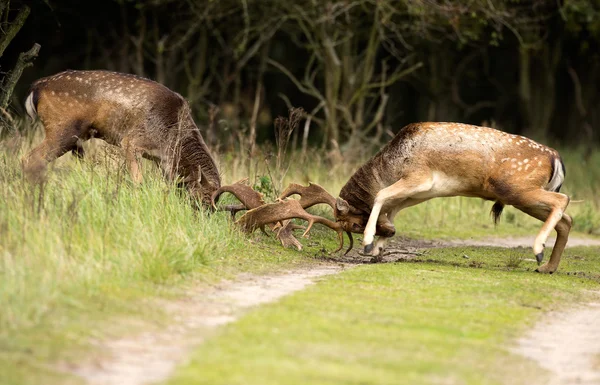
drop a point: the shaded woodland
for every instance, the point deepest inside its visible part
(360, 69)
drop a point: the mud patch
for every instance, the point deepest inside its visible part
(151, 356)
(398, 248)
(401, 248)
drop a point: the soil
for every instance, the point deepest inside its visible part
(566, 344)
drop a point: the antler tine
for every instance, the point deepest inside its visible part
(283, 210)
(351, 243)
(309, 195)
(250, 199)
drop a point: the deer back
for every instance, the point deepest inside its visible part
(459, 159)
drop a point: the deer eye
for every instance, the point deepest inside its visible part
(356, 226)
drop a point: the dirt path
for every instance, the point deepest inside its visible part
(151, 356)
(565, 347)
(567, 344)
(523, 242)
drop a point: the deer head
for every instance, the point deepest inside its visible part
(143, 117)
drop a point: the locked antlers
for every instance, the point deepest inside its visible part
(285, 210)
(251, 199)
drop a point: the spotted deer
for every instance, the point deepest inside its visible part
(435, 159)
(143, 117)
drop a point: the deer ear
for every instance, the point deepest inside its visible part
(342, 206)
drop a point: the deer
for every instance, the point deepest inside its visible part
(143, 117)
(428, 160)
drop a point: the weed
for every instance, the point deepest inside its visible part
(514, 260)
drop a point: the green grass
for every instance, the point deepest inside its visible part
(443, 319)
(91, 248)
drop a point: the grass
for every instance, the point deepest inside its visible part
(441, 320)
(91, 248)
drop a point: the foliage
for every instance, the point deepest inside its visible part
(360, 69)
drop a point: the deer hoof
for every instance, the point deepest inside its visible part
(545, 269)
(539, 257)
(368, 248)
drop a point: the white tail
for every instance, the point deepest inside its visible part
(30, 106)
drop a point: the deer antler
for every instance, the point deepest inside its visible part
(284, 210)
(252, 199)
(309, 195)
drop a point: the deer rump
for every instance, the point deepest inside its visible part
(437, 159)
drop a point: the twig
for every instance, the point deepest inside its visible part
(24, 61)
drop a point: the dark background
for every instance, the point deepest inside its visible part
(528, 67)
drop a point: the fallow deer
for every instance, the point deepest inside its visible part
(437, 159)
(143, 117)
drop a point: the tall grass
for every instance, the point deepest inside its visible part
(89, 245)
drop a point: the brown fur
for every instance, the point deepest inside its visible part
(143, 117)
(428, 160)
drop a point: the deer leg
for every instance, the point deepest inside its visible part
(397, 194)
(562, 230)
(381, 240)
(549, 207)
(132, 155)
(58, 140)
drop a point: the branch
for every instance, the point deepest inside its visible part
(14, 27)
(295, 80)
(396, 76)
(259, 43)
(24, 61)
